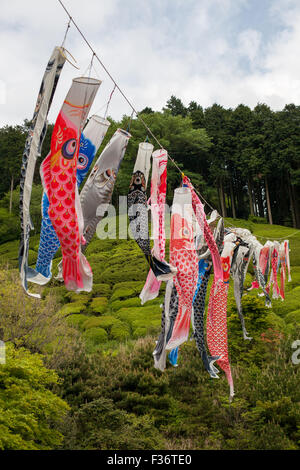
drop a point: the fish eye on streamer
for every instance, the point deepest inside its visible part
(82, 162)
(69, 149)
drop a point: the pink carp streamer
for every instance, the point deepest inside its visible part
(183, 256)
(158, 198)
(274, 266)
(216, 325)
(209, 238)
(58, 173)
(282, 258)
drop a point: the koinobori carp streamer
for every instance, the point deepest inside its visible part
(90, 141)
(204, 272)
(183, 256)
(158, 198)
(32, 150)
(138, 218)
(58, 173)
(216, 325)
(97, 191)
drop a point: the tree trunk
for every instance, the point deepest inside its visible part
(232, 200)
(222, 199)
(250, 197)
(296, 207)
(292, 206)
(268, 202)
(11, 191)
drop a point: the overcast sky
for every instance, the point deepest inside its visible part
(223, 51)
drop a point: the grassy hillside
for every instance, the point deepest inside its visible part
(118, 400)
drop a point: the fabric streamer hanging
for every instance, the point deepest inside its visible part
(138, 218)
(58, 173)
(274, 268)
(158, 198)
(97, 191)
(90, 141)
(216, 325)
(287, 257)
(282, 259)
(32, 150)
(183, 256)
(238, 272)
(204, 272)
(204, 227)
(169, 314)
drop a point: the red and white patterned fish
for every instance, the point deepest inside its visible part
(58, 173)
(216, 324)
(183, 256)
(282, 257)
(274, 264)
(287, 257)
(158, 198)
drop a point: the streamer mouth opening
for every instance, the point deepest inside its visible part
(124, 132)
(182, 190)
(159, 153)
(100, 120)
(87, 80)
(146, 146)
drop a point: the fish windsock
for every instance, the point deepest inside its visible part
(282, 257)
(183, 256)
(274, 268)
(90, 141)
(265, 260)
(58, 174)
(158, 198)
(216, 325)
(169, 314)
(33, 146)
(138, 216)
(239, 266)
(204, 272)
(97, 191)
(287, 257)
(202, 222)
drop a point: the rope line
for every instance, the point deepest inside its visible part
(134, 111)
(67, 30)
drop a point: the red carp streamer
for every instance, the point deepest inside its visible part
(216, 325)
(209, 238)
(183, 256)
(282, 258)
(58, 173)
(274, 265)
(158, 198)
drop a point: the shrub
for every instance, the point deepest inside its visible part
(101, 290)
(95, 336)
(76, 320)
(133, 302)
(139, 332)
(105, 321)
(71, 308)
(99, 305)
(293, 317)
(30, 413)
(120, 331)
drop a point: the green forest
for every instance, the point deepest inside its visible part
(79, 367)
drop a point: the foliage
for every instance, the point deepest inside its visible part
(30, 414)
